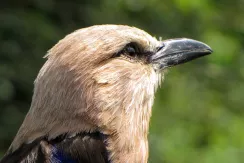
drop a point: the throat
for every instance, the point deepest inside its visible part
(125, 111)
(130, 143)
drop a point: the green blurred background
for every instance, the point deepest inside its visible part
(198, 114)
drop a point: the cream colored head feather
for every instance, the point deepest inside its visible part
(101, 78)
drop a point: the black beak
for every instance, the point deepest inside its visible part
(177, 51)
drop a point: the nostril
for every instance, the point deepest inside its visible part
(160, 47)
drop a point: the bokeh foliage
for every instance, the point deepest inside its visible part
(198, 114)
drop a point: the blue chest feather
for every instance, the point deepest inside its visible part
(59, 156)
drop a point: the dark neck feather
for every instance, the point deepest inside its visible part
(83, 147)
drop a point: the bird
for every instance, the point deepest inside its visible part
(93, 97)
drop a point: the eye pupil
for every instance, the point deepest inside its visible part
(131, 50)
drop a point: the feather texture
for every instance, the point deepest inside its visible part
(81, 148)
(83, 88)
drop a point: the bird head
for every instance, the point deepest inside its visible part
(103, 78)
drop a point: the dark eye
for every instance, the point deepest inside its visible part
(131, 50)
